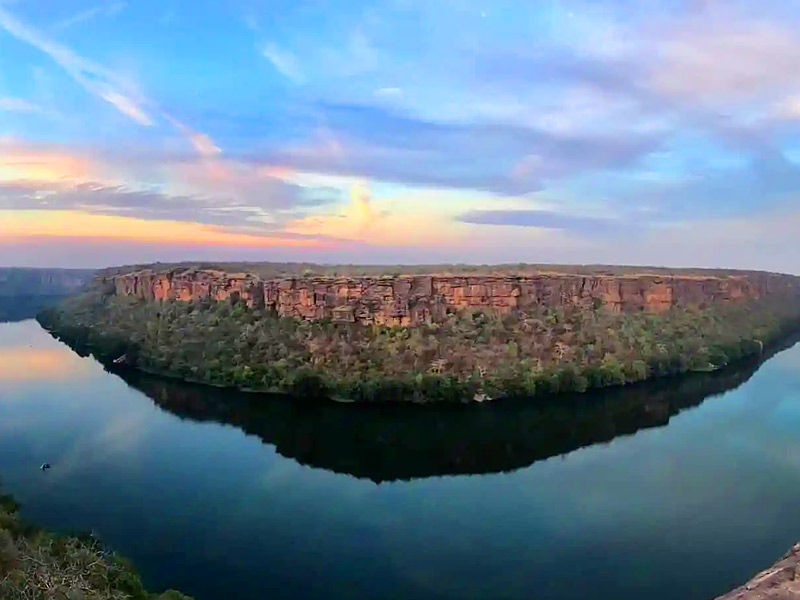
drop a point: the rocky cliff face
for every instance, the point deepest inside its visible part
(407, 300)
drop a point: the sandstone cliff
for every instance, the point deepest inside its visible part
(406, 300)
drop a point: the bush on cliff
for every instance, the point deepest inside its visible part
(38, 565)
(470, 354)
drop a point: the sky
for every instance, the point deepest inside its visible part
(400, 131)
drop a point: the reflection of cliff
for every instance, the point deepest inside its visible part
(388, 442)
(406, 300)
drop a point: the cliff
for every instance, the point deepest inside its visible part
(409, 300)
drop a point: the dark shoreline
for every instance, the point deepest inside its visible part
(389, 442)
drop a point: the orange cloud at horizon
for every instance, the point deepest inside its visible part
(23, 224)
(23, 164)
(366, 220)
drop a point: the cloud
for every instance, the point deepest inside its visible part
(127, 107)
(374, 142)
(256, 210)
(540, 218)
(201, 142)
(363, 212)
(93, 77)
(283, 61)
(18, 105)
(104, 83)
(767, 240)
(36, 162)
(719, 56)
(107, 9)
(787, 108)
(379, 221)
(388, 92)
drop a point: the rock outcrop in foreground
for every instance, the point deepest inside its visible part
(408, 300)
(779, 582)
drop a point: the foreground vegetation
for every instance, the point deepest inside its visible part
(38, 565)
(472, 355)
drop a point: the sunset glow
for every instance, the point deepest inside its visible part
(39, 223)
(549, 132)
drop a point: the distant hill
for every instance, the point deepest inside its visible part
(15, 281)
(23, 291)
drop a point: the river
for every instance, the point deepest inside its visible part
(676, 490)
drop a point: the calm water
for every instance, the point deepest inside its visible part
(674, 491)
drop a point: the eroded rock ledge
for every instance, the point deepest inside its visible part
(407, 300)
(781, 581)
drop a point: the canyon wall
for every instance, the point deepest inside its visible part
(407, 300)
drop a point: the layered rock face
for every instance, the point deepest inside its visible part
(408, 300)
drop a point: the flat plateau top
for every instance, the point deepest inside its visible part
(269, 270)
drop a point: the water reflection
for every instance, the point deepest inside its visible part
(205, 508)
(385, 443)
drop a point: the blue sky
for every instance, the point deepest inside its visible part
(622, 132)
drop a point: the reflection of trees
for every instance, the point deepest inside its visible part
(387, 442)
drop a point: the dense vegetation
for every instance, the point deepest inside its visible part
(36, 565)
(471, 355)
(386, 442)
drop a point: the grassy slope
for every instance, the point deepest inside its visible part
(38, 565)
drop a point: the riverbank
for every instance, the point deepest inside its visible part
(781, 581)
(36, 564)
(471, 356)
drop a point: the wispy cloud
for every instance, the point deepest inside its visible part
(388, 92)
(284, 62)
(93, 77)
(153, 204)
(201, 142)
(105, 83)
(127, 106)
(540, 218)
(108, 9)
(211, 191)
(18, 105)
(391, 145)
